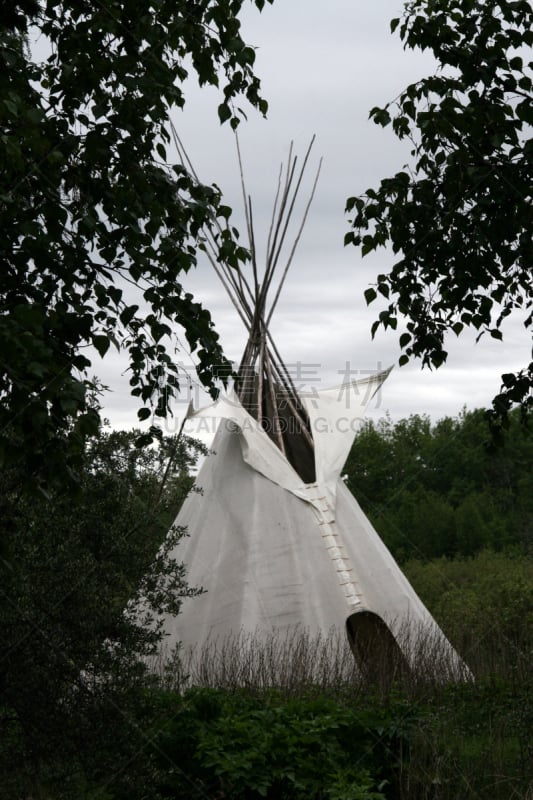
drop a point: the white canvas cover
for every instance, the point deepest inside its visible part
(274, 553)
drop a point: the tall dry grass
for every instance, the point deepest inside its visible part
(295, 659)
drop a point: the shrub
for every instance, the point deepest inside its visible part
(241, 745)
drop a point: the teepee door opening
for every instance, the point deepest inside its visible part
(375, 649)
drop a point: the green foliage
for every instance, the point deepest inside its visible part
(255, 746)
(97, 227)
(485, 605)
(82, 577)
(468, 740)
(473, 743)
(442, 489)
(458, 218)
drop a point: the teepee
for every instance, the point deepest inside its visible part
(275, 538)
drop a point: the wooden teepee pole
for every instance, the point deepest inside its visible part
(262, 373)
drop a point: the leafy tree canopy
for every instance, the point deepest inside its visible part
(458, 218)
(97, 229)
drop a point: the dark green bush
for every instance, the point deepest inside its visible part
(243, 746)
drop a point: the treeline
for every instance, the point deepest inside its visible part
(444, 489)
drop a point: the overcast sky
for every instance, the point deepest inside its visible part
(323, 66)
